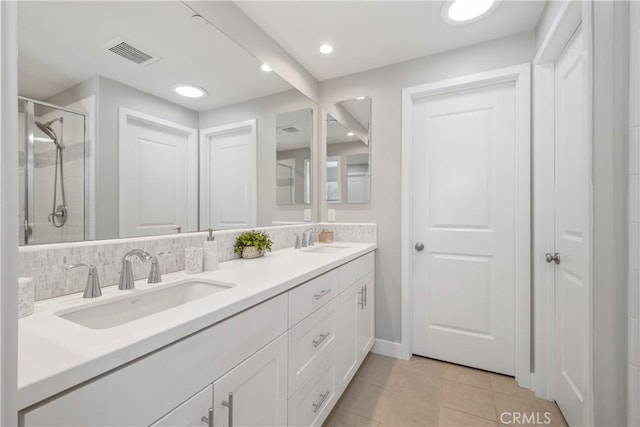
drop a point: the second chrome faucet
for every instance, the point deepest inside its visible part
(126, 274)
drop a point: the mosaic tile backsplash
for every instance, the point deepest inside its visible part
(45, 263)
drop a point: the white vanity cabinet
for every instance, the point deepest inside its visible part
(284, 361)
(254, 393)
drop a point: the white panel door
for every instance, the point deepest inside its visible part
(158, 183)
(572, 237)
(228, 180)
(464, 213)
(254, 393)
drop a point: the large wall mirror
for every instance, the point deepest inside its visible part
(348, 151)
(141, 118)
(294, 137)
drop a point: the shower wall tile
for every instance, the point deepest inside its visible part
(45, 263)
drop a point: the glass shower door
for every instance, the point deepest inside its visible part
(52, 168)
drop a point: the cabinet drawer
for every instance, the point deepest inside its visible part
(311, 405)
(356, 269)
(194, 412)
(310, 296)
(310, 341)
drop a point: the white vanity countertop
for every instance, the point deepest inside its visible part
(55, 354)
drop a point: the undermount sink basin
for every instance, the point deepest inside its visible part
(141, 304)
(326, 249)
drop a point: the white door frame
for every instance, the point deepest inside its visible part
(205, 168)
(570, 16)
(192, 160)
(521, 76)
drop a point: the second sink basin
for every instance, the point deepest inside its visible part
(141, 304)
(326, 249)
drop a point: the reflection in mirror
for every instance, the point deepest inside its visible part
(124, 159)
(348, 151)
(294, 135)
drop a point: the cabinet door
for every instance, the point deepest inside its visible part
(366, 319)
(254, 393)
(348, 351)
(194, 412)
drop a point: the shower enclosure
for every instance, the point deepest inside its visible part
(52, 169)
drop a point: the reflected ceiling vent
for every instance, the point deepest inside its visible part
(289, 129)
(132, 52)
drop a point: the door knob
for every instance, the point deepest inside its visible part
(553, 258)
(419, 246)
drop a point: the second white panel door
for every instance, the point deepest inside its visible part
(464, 214)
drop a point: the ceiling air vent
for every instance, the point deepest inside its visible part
(128, 50)
(290, 129)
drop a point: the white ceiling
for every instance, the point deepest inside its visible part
(63, 43)
(371, 34)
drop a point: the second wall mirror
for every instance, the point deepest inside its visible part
(348, 151)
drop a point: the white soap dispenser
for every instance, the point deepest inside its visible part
(210, 253)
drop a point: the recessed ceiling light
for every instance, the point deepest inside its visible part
(350, 134)
(459, 12)
(360, 98)
(189, 90)
(326, 49)
(266, 68)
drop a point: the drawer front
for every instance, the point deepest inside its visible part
(310, 296)
(356, 269)
(311, 405)
(310, 342)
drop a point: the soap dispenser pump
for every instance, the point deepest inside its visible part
(210, 252)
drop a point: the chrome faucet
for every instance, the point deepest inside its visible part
(308, 242)
(154, 271)
(297, 244)
(126, 274)
(92, 288)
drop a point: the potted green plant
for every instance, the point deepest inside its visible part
(252, 244)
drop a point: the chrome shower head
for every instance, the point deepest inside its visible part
(47, 130)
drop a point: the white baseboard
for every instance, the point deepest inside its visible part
(387, 348)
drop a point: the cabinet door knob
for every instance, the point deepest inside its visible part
(419, 246)
(552, 258)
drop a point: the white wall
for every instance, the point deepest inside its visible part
(610, 128)
(8, 217)
(634, 217)
(385, 85)
(265, 110)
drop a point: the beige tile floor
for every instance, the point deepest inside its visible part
(427, 392)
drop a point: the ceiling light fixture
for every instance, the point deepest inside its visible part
(266, 68)
(326, 49)
(350, 134)
(360, 98)
(460, 12)
(189, 90)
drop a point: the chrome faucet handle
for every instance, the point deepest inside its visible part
(297, 245)
(126, 273)
(154, 271)
(92, 288)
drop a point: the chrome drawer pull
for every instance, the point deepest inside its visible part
(317, 405)
(229, 405)
(208, 421)
(321, 293)
(322, 338)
